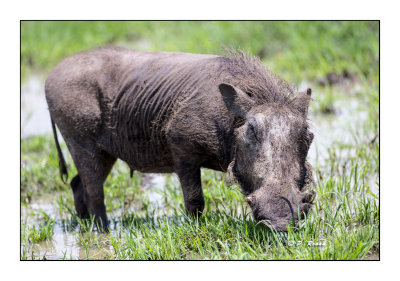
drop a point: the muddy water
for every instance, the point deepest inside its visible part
(328, 130)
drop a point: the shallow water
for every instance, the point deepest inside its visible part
(66, 241)
(64, 245)
(35, 117)
(35, 120)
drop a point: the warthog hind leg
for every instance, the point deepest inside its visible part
(79, 197)
(93, 166)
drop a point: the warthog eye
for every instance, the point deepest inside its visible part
(252, 130)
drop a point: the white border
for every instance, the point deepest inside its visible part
(12, 12)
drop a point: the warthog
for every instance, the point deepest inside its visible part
(177, 112)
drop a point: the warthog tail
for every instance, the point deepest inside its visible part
(61, 161)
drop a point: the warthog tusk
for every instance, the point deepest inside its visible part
(249, 199)
(313, 195)
(291, 209)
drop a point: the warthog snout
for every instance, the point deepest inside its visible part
(280, 210)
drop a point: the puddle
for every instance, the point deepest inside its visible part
(65, 240)
(64, 245)
(61, 246)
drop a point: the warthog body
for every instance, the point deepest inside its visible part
(177, 112)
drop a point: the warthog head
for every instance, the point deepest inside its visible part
(271, 145)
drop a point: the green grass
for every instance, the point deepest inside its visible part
(296, 50)
(34, 234)
(343, 224)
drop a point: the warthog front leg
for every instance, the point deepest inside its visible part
(189, 176)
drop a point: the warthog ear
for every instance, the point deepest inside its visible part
(237, 102)
(302, 101)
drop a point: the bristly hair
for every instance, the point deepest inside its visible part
(149, 93)
(251, 76)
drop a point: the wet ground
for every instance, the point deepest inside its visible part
(328, 129)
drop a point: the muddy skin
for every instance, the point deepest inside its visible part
(177, 112)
